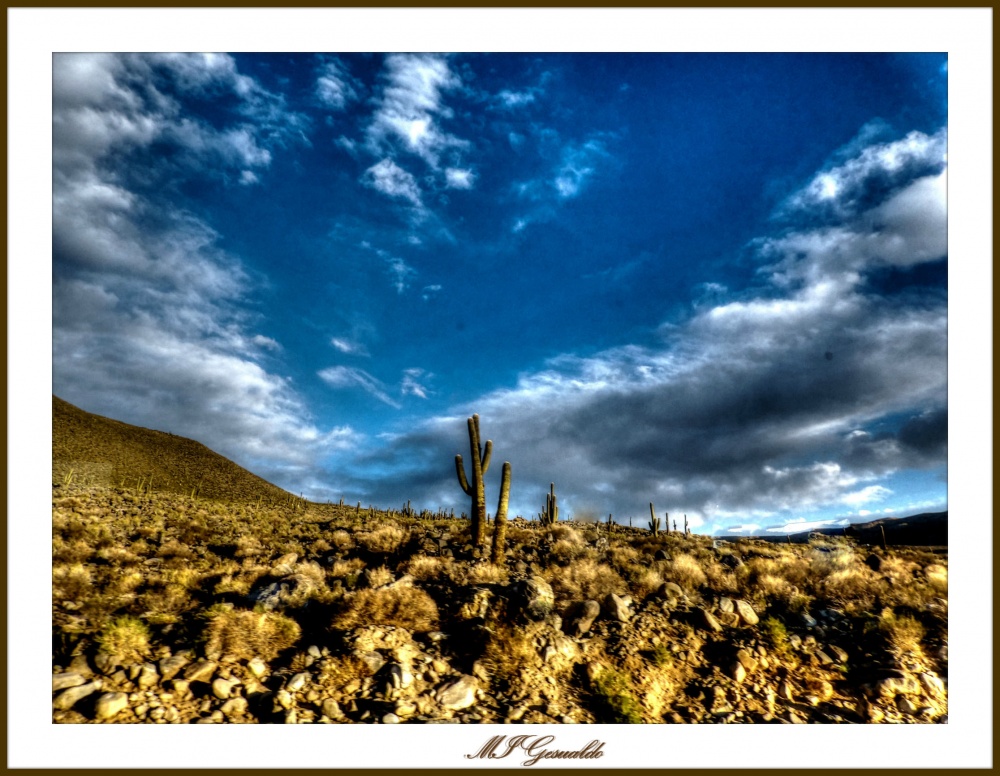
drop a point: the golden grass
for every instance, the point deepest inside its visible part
(246, 634)
(584, 579)
(403, 607)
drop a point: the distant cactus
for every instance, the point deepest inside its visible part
(686, 529)
(654, 521)
(551, 514)
(500, 521)
(477, 490)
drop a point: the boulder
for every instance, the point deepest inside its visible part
(459, 694)
(581, 617)
(109, 704)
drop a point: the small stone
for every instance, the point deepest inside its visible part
(67, 698)
(748, 661)
(705, 620)
(314, 651)
(223, 688)
(746, 612)
(616, 608)
(824, 659)
(106, 664)
(201, 671)
(584, 618)
(932, 684)
(171, 666)
(738, 672)
(66, 680)
(839, 654)
(390, 719)
(786, 691)
(234, 707)
(257, 667)
(905, 705)
(807, 620)
(148, 676)
(726, 605)
(297, 682)
(109, 704)
(331, 709)
(284, 699)
(460, 694)
(181, 687)
(898, 683)
(548, 653)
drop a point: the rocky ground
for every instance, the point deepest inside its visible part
(172, 610)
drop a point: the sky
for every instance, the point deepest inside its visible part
(714, 282)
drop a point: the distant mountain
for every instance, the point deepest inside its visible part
(926, 529)
(91, 449)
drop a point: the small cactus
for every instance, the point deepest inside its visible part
(686, 529)
(551, 514)
(500, 521)
(654, 521)
(477, 489)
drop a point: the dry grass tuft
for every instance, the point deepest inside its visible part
(247, 634)
(584, 579)
(385, 539)
(424, 568)
(403, 607)
(685, 571)
(125, 637)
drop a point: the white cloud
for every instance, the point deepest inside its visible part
(350, 377)
(578, 164)
(411, 105)
(334, 86)
(866, 495)
(459, 179)
(392, 180)
(349, 347)
(412, 384)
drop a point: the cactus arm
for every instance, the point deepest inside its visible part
(487, 454)
(461, 475)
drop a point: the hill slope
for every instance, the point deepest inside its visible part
(91, 449)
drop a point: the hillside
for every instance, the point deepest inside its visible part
(929, 529)
(91, 449)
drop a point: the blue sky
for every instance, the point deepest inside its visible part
(714, 282)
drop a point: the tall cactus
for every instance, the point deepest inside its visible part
(686, 529)
(477, 490)
(500, 521)
(551, 514)
(654, 521)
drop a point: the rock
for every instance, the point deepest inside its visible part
(593, 671)
(786, 691)
(738, 672)
(794, 640)
(181, 688)
(582, 617)
(704, 620)
(535, 597)
(390, 719)
(905, 705)
(79, 665)
(460, 694)
(257, 667)
(66, 680)
(874, 562)
(475, 604)
(280, 594)
(897, 683)
(223, 688)
(106, 664)
(67, 698)
(661, 555)
(109, 704)
(201, 671)
(748, 661)
(285, 565)
(331, 709)
(171, 666)
(839, 654)
(807, 620)
(746, 612)
(297, 682)
(730, 560)
(148, 676)
(284, 699)
(932, 684)
(671, 590)
(234, 707)
(406, 708)
(616, 608)
(372, 659)
(824, 659)
(726, 605)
